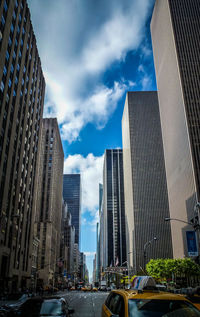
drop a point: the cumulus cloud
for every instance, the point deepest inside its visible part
(91, 169)
(146, 80)
(78, 40)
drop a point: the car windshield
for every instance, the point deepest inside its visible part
(161, 308)
(51, 308)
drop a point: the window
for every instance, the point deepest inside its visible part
(11, 68)
(2, 86)
(11, 28)
(7, 55)
(5, 6)
(4, 70)
(14, 15)
(3, 20)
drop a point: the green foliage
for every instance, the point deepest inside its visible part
(166, 268)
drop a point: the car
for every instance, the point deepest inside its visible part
(153, 303)
(146, 300)
(14, 299)
(94, 289)
(43, 306)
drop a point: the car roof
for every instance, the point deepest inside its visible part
(147, 294)
(47, 298)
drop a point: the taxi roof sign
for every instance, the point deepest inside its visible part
(141, 282)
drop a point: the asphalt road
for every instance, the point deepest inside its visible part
(85, 304)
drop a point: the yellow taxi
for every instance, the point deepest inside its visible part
(147, 301)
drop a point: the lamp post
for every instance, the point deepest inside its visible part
(145, 247)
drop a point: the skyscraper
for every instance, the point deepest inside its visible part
(49, 199)
(175, 29)
(72, 196)
(114, 235)
(22, 88)
(146, 200)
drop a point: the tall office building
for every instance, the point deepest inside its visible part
(69, 239)
(72, 196)
(175, 28)
(22, 88)
(114, 235)
(49, 200)
(146, 200)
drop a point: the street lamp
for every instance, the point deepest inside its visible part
(193, 224)
(145, 246)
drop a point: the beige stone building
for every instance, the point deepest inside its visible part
(49, 201)
(175, 36)
(22, 89)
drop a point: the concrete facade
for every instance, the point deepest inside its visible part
(146, 200)
(22, 89)
(49, 200)
(175, 37)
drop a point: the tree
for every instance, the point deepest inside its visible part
(168, 268)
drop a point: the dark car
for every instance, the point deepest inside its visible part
(43, 306)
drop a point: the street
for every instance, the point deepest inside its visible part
(85, 304)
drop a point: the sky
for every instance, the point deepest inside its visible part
(92, 53)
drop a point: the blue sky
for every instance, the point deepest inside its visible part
(92, 52)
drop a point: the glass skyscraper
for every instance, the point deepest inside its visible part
(114, 235)
(72, 196)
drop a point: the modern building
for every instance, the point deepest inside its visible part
(69, 240)
(114, 234)
(175, 29)
(82, 266)
(94, 270)
(146, 200)
(101, 231)
(22, 89)
(72, 196)
(49, 201)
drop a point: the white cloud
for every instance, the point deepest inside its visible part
(91, 169)
(77, 41)
(96, 108)
(90, 254)
(146, 80)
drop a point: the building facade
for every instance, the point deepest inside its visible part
(175, 36)
(146, 200)
(22, 89)
(49, 201)
(114, 235)
(69, 240)
(72, 196)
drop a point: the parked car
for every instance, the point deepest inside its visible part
(151, 303)
(43, 306)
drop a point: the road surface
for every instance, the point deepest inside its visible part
(85, 304)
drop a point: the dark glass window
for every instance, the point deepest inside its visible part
(3, 20)
(5, 6)
(11, 28)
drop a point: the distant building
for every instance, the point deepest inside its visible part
(22, 89)
(69, 240)
(146, 200)
(175, 29)
(49, 200)
(114, 234)
(94, 269)
(72, 196)
(82, 266)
